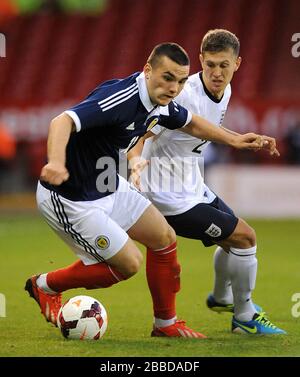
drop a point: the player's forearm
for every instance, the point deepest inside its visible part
(136, 151)
(203, 129)
(59, 133)
(230, 131)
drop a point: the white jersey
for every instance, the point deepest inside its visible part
(173, 181)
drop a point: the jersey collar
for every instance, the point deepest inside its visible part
(208, 93)
(143, 92)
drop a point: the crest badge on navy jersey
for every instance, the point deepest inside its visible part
(151, 122)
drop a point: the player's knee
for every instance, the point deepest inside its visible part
(245, 239)
(133, 266)
(167, 237)
(250, 236)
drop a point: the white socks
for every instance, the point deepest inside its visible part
(235, 275)
(242, 267)
(158, 322)
(41, 282)
(222, 289)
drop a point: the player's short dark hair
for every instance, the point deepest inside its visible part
(172, 50)
(218, 40)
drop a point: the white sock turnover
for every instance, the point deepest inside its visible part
(41, 282)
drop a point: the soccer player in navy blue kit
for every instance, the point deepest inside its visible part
(95, 211)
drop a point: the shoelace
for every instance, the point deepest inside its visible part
(183, 328)
(180, 322)
(262, 319)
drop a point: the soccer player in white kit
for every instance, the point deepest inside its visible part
(94, 210)
(174, 184)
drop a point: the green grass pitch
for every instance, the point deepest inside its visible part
(28, 246)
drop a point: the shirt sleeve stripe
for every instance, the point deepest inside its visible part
(116, 94)
(117, 98)
(117, 103)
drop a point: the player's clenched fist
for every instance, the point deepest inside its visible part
(54, 173)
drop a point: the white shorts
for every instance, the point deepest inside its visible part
(95, 230)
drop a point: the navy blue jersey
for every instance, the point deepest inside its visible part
(112, 118)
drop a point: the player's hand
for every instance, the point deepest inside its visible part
(54, 173)
(269, 144)
(250, 141)
(136, 171)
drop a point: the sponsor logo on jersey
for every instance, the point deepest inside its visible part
(102, 242)
(214, 230)
(130, 127)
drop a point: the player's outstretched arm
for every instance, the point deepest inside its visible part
(203, 129)
(55, 172)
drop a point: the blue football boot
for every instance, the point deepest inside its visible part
(258, 325)
(213, 305)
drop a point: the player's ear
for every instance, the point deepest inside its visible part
(147, 70)
(237, 63)
(201, 58)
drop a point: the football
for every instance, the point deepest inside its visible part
(82, 317)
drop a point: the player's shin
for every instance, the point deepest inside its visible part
(222, 292)
(243, 267)
(78, 275)
(163, 276)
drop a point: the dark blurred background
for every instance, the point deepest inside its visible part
(56, 51)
